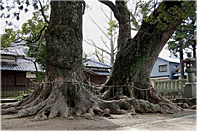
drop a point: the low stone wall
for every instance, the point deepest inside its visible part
(170, 88)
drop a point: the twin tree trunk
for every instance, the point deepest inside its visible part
(64, 41)
(62, 94)
(136, 57)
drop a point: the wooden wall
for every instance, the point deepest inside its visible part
(13, 82)
(97, 79)
(13, 78)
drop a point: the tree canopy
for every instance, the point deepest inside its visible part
(184, 32)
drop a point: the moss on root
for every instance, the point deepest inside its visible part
(76, 101)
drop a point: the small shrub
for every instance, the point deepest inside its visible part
(21, 93)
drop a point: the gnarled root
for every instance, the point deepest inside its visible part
(67, 100)
(39, 95)
(115, 93)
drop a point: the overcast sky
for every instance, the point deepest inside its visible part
(90, 30)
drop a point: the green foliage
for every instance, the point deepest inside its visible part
(145, 7)
(21, 93)
(29, 31)
(41, 53)
(164, 15)
(184, 32)
(112, 27)
(84, 58)
(8, 37)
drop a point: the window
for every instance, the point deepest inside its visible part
(162, 68)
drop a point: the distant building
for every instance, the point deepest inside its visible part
(96, 72)
(16, 70)
(165, 68)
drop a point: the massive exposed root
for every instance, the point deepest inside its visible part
(68, 100)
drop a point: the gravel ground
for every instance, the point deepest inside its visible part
(80, 123)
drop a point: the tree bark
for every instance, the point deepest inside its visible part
(124, 33)
(135, 60)
(122, 14)
(64, 41)
(194, 49)
(60, 94)
(181, 59)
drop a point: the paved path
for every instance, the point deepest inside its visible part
(186, 123)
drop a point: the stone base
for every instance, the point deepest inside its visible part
(189, 101)
(190, 90)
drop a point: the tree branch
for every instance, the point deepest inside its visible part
(105, 13)
(42, 11)
(134, 21)
(35, 39)
(93, 44)
(97, 55)
(113, 8)
(105, 43)
(99, 28)
(35, 65)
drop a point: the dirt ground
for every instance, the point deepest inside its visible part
(80, 123)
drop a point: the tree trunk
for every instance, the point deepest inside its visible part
(194, 49)
(64, 41)
(61, 94)
(135, 60)
(181, 59)
(124, 33)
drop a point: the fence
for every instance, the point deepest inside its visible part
(15, 90)
(167, 88)
(170, 88)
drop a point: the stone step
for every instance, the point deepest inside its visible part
(8, 100)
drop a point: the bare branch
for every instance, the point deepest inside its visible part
(39, 35)
(113, 8)
(135, 11)
(115, 49)
(105, 13)
(115, 53)
(35, 65)
(97, 55)
(42, 11)
(99, 27)
(93, 44)
(105, 44)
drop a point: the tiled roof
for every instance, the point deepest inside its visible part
(16, 51)
(5, 52)
(92, 63)
(106, 73)
(22, 64)
(102, 73)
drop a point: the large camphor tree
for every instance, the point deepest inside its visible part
(136, 57)
(63, 92)
(59, 95)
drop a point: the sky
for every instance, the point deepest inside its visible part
(90, 30)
